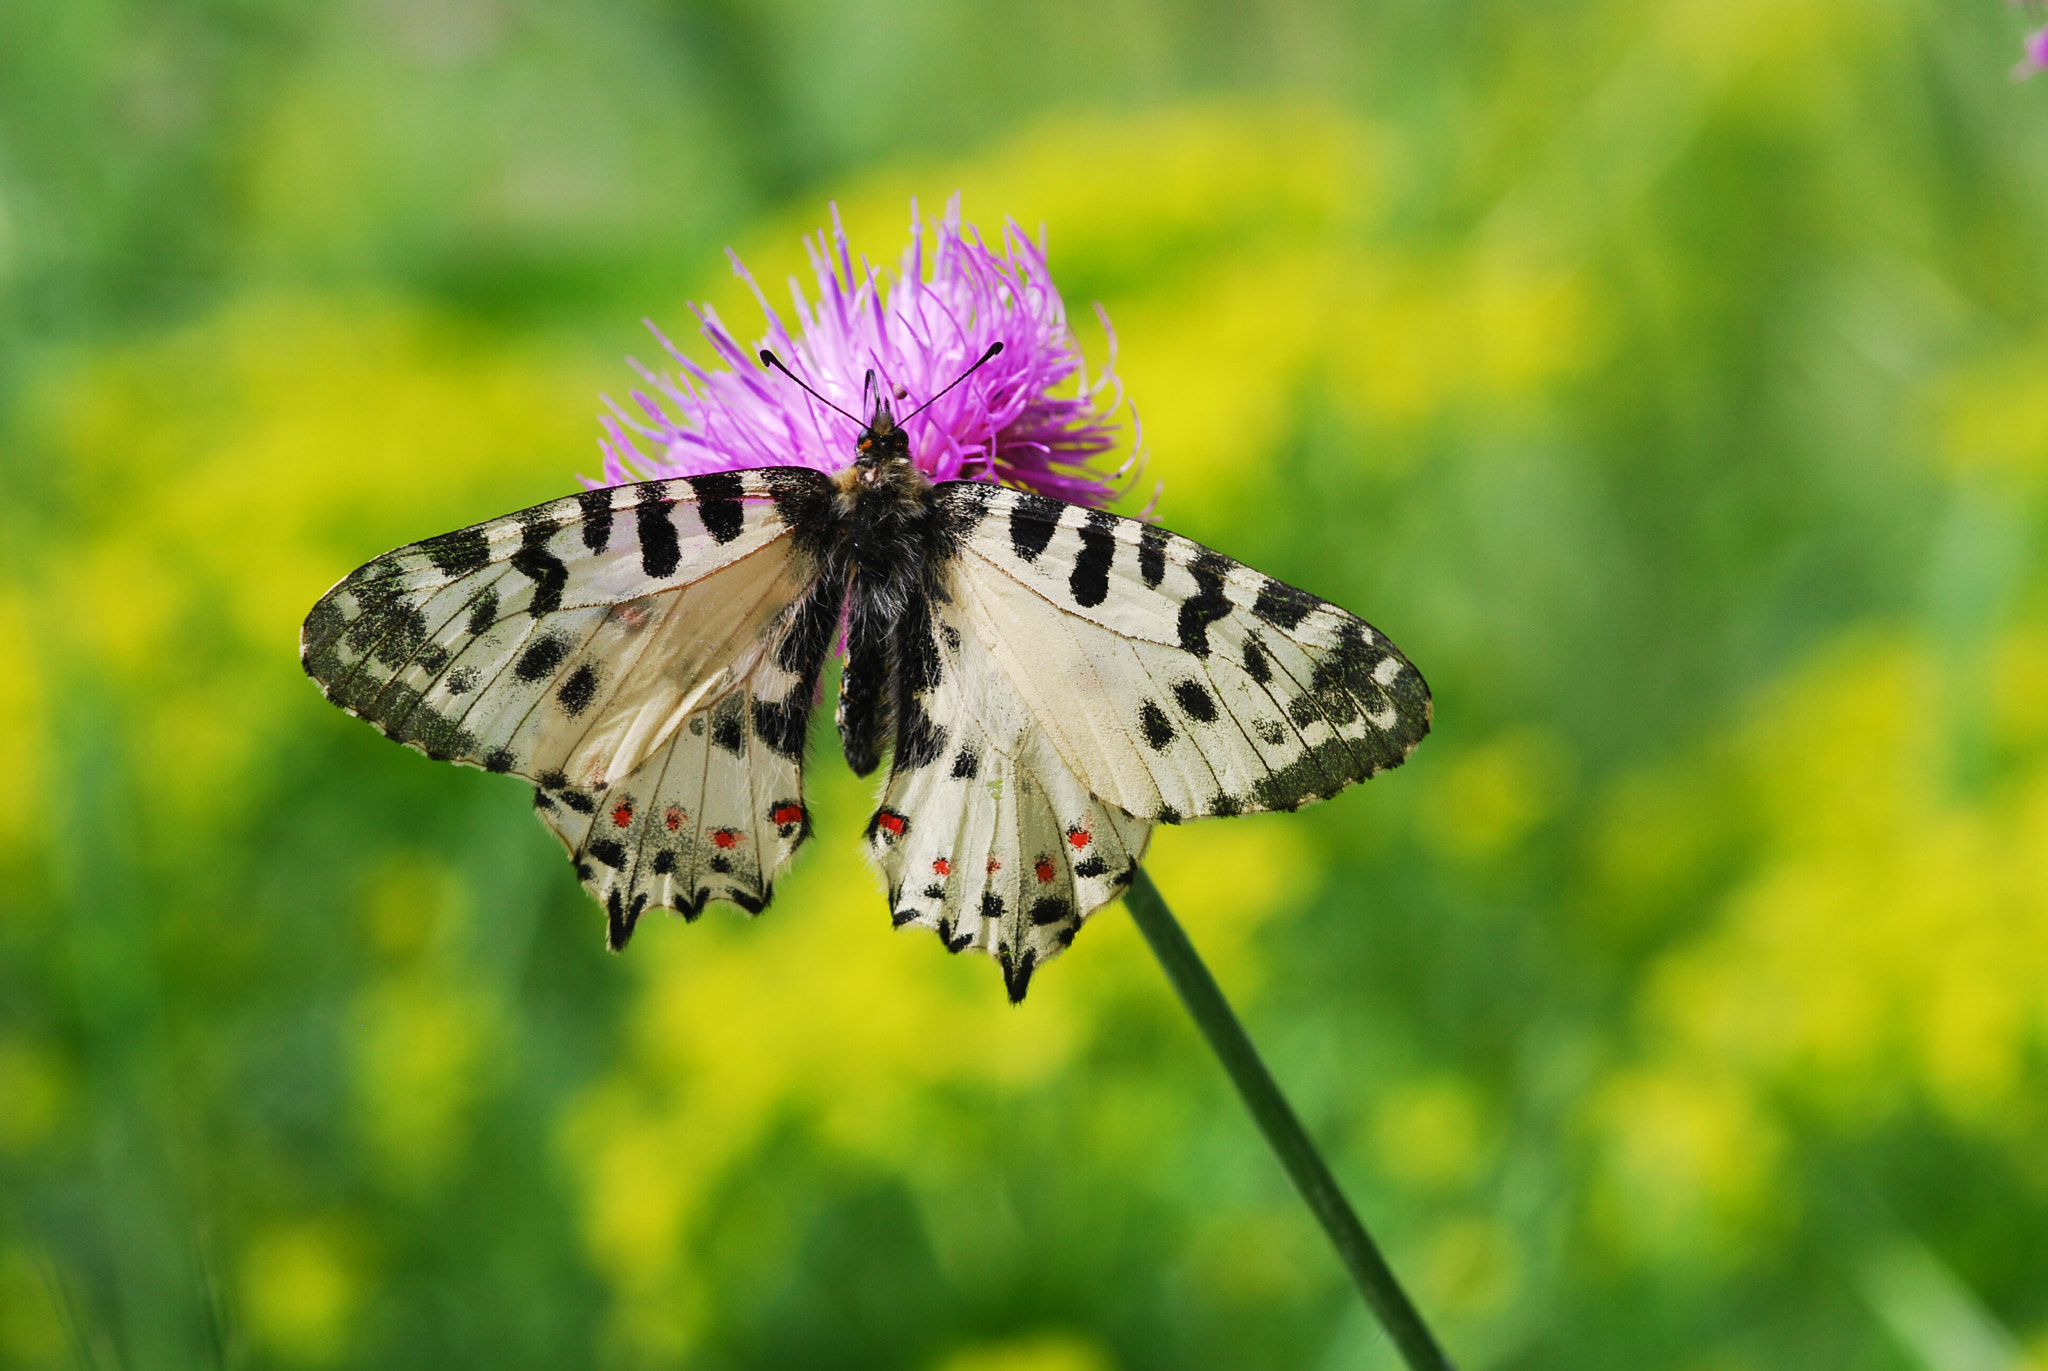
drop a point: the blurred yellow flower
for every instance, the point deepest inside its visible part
(1034, 1352)
(299, 1294)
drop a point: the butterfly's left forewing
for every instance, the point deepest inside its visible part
(1175, 682)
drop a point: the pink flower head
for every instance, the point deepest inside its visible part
(1015, 420)
(2036, 58)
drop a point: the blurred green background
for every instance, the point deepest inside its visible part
(1670, 380)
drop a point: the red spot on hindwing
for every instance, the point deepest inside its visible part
(994, 866)
(673, 818)
(942, 867)
(890, 822)
(622, 813)
(787, 814)
(1043, 870)
(725, 837)
(1079, 836)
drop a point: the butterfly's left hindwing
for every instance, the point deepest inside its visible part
(638, 652)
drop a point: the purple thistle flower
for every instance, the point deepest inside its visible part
(1008, 422)
(2036, 58)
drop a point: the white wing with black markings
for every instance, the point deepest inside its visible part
(1088, 676)
(1178, 684)
(641, 653)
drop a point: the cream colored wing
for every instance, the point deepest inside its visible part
(985, 835)
(1172, 681)
(641, 650)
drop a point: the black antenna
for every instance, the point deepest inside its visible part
(993, 349)
(769, 359)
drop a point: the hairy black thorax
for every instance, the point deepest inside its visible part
(881, 548)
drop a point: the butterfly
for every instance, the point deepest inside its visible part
(1049, 681)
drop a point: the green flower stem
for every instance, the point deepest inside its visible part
(1199, 992)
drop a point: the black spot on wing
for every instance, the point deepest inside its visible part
(991, 905)
(541, 657)
(803, 502)
(1282, 605)
(919, 741)
(781, 724)
(460, 552)
(718, 504)
(1195, 701)
(966, 764)
(324, 623)
(728, 725)
(438, 735)
(1153, 723)
(661, 549)
(1318, 773)
(596, 506)
(1207, 604)
(404, 630)
(500, 759)
(579, 690)
(537, 564)
(1089, 582)
(1032, 521)
(1152, 554)
(1089, 868)
(483, 611)
(608, 851)
(1051, 909)
(664, 861)
(1256, 662)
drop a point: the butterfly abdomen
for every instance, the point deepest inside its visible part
(896, 538)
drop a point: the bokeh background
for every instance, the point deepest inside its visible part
(1670, 380)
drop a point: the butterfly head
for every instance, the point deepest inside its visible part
(881, 441)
